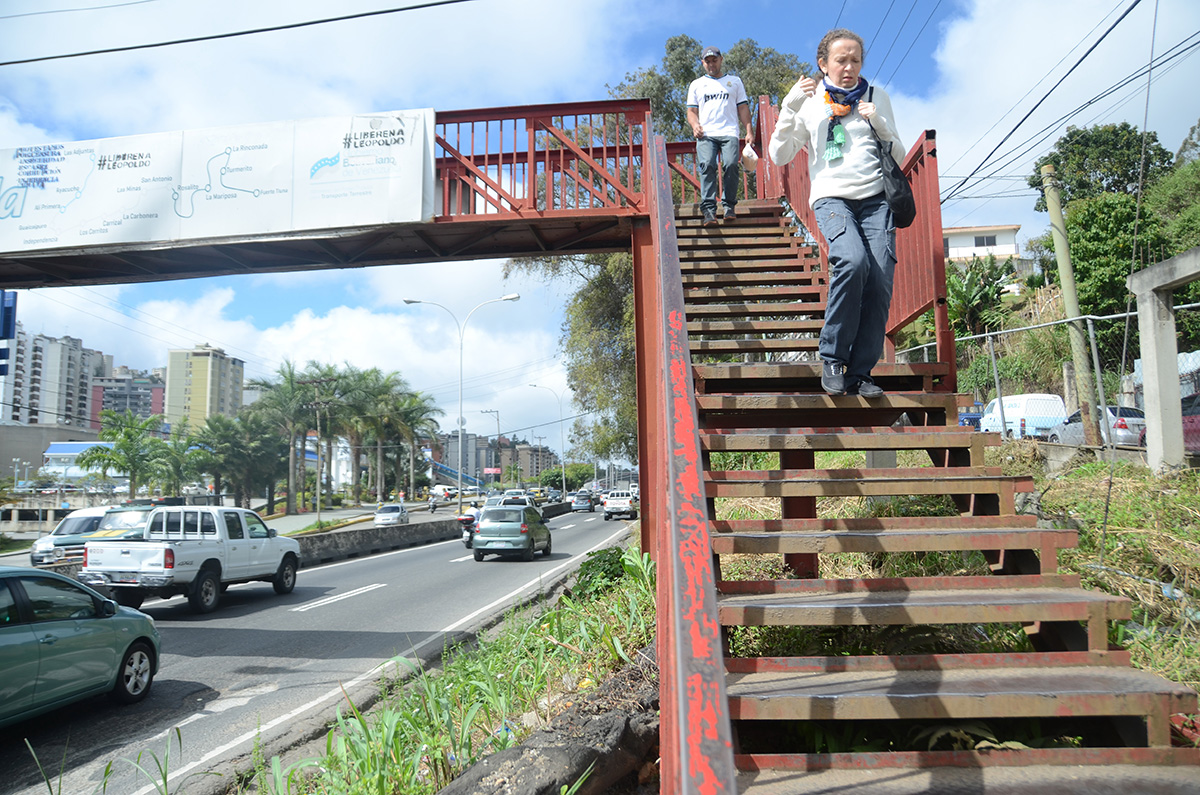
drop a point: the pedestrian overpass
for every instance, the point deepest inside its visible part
(726, 323)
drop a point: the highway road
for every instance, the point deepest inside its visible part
(269, 671)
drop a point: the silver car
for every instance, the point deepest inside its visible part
(511, 530)
(391, 514)
(1125, 425)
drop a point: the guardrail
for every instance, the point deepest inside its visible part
(695, 737)
(537, 160)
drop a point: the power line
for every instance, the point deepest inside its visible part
(73, 10)
(235, 34)
(1024, 118)
(936, 6)
(875, 35)
(899, 30)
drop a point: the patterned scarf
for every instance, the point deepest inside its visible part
(839, 102)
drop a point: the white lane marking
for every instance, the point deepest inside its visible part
(565, 527)
(328, 600)
(339, 692)
(464, 557)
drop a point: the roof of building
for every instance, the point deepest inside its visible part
(72, 448)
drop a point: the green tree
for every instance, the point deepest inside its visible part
(1175, 199)
(135, 452)
(284, 403)
(1106, 158)
(1189, 150)
(973, 294)
(417, 419)
(178, 459)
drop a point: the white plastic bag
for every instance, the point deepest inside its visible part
(749, 156)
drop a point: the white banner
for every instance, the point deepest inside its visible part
(249, 182)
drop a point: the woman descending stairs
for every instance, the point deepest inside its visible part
(815, 707)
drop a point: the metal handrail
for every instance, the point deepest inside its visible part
(695, 737)
(570, 159)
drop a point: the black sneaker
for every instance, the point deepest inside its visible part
(730, 215)
(869, 389)
(833, 378)
(710, 218)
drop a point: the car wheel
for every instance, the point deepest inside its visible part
(549, 543)
(206, 592)
(607, 517)
(285, 578)
(1054, 438)
(633, 516)
(129, 598)
(478, 554)
(135, 675)
(527, 555)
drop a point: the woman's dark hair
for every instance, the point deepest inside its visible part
(837, 34)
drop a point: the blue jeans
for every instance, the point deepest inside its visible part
(706, 160)
(862, 261)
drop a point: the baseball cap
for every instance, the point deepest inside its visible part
(711, 52)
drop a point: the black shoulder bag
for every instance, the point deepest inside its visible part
(896, 189)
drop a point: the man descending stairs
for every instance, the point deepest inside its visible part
(812, 714)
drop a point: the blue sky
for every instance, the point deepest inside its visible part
(970, 70)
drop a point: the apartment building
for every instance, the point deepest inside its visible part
(201, 382)
(49, 380)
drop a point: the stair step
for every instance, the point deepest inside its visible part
(806, 261)
(812, 309)
(753, 345)
(920, 601)
(1028, 771)
(747, 208)
(902, 438)
(806, 376)
(737, 251)
(960, 693)
(755, 326)
(799, 292)
(890, 482)
(753, 226)
(727, 412)
(701, 245)
(751, 279)
(927, 662)
(894, 541)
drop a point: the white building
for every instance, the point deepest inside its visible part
(49, 380)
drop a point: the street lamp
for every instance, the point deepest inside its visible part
(461, 328)
(16, 463)
(561, 439)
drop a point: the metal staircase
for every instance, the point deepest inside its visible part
(753, 294)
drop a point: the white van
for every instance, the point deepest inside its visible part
(1025, 416)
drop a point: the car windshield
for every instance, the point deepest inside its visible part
(1127, 411)
(74, 525)
(124, 520)
(389, 509)
(502, 515)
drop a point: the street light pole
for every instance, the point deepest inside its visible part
(561, 438)
(16, 463)
(460, 422)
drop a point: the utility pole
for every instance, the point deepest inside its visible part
(1084, 384)
(497, 413)
(318, 404)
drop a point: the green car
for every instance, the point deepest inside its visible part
(61, 642)
(511, 530)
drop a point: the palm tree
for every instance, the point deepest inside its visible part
(418, 419)
(177, 461)
(284, 405)
(218, 441)
(134, 450)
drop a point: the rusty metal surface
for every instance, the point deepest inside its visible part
(890, 541)
(695, 735)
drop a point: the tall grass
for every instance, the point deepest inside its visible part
(434, 725)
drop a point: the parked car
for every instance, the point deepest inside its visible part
(511, 530)
(1025, 416)
(583, 502)
(620, 503)
(65, 542)
(63, 642)
(390, 515)
(1190, 407)
(1125, 426)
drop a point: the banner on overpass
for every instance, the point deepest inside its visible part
(251, 182)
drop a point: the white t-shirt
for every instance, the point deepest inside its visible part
(716, 100)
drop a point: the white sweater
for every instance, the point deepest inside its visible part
(855, 175)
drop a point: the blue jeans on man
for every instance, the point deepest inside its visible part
(706, 158)
(862, 261)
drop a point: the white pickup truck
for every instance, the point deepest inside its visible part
(193, 550)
